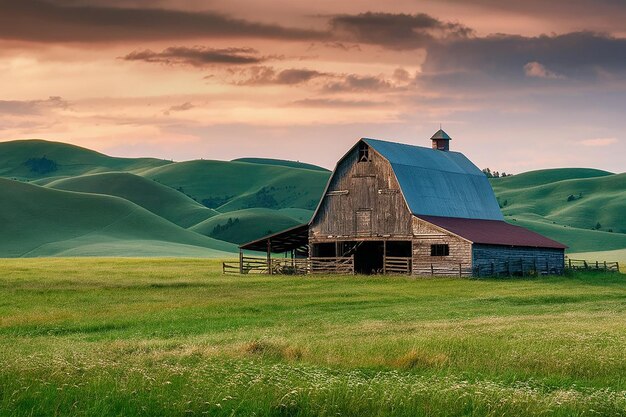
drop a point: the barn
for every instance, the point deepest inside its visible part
(396, 208)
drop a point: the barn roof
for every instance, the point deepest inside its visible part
(493, 232)
(437, 183)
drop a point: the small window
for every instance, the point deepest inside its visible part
(364, 152)
(439, 250)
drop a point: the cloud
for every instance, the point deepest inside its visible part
(336, 103)
(262, 75)
(598, 142)
(197, 56)
(396, 31)
(537, 70)
(179, 107)
(48, 22)
(32, 107)
(574, 55)
(355, 83)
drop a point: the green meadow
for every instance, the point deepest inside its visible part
(175, 337)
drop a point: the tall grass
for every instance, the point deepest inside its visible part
(175, 337)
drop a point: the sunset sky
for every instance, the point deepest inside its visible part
(519, 85)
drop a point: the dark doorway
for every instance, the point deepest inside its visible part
(324, 250)
(368, 258)
(399, 248)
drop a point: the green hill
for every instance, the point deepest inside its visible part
(245, 225)
(281, 162)
(566, 204)
(157, 198)
(47, 222)
(228, 186)
(34, 159)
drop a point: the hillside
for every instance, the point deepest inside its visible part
(228, 186)
(34, 159)
(47, 222)
(157, 198)
(242, 226)
(566, 204)
(280, 162)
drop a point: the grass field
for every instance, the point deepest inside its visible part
(175, 337)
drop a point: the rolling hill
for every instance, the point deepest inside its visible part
(242, 226)
(46, 222)
(35, 159)
(228, 186)
(566, 204)
(157, 198)
(280, 162)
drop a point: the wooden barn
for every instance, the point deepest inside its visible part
(396, 208)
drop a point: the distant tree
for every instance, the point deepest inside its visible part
(41, 165)
(571, 197)
(598, 226)
(488, 173)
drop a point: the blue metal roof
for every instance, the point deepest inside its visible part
(439, 183)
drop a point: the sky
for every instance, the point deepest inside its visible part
(518, 85)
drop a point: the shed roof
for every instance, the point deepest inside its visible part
(289, 239)
(436, 183)
(493, 232)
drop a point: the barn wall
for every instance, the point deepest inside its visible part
(372, 208)
(425, 235)
(504, 260)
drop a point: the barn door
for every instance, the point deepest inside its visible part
(364, 222)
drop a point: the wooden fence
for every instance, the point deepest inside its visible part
(580, 264)
(285, 266)
(517, 267)
(397, 265)
(443, 269)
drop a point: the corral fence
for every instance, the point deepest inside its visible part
(443, 270)
(397, 265)
(581, 264)
(285, 266)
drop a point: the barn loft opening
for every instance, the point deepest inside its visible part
(364, 152)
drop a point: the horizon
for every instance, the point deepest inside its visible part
(519, 87)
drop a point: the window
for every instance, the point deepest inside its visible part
(364, 152)
(439, 250)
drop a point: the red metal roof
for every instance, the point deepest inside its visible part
(493, 232)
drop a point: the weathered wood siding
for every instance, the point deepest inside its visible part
(425, 235)
(372, 207)
(504, 260)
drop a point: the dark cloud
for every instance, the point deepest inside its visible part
(579, 55)
(32, 107)
(197, 56)
(396, 31)
(179, 107)
(45, 21)
(337, 103)
(356, 83)
(261, 75)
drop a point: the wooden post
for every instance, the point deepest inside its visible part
(269, 256)
(492, 269)
(508, 266)
(460, 274)
(384, 257)
(432, 270)
(240, 261)
(605, 265)
(352, 257)
(570, 263)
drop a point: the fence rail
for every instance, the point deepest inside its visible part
(397, 265)
(443, 270)
(581, 264)
(280, 266)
